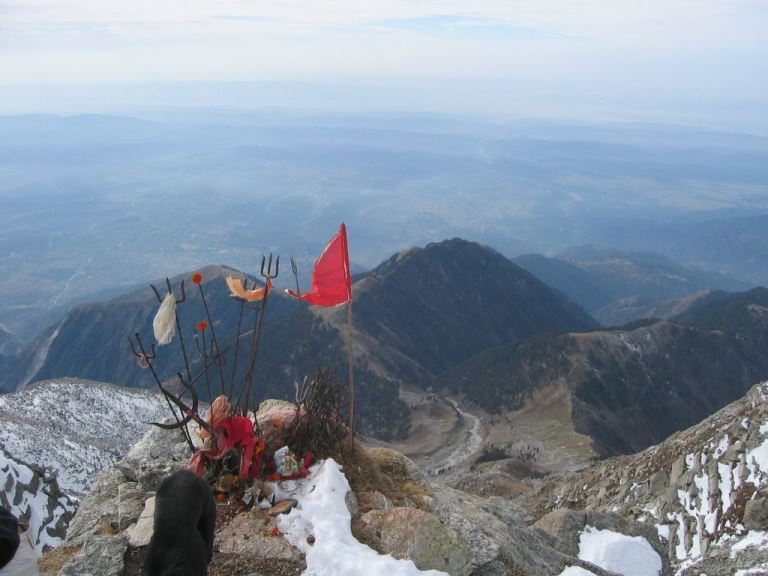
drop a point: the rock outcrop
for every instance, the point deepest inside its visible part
(703, 490)
(399, 512)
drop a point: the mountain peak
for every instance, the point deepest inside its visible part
(440, 304)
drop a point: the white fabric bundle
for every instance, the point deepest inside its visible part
(164, 323)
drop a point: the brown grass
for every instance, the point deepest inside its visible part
(53, 561)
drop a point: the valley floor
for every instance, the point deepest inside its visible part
(448, 436)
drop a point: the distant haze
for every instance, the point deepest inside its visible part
(700, 62)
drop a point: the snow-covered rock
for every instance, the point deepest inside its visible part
(32, 494)
(703, 489)
(76, 427)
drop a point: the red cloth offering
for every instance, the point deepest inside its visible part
(231, 433)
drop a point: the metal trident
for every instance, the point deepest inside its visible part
(268, 274)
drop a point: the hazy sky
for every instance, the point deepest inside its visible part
(702, 59)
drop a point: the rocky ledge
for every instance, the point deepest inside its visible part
(395, 509)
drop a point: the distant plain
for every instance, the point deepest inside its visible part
(94, 204)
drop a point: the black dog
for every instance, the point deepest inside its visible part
(185, 519)
(9, 536)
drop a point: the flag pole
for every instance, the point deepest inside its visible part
(350, 358)
(351, 377)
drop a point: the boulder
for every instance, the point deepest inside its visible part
(492, 540)
(149, 474)
(409, 533)
(374, 500)
(140, 533)
(250, 533)
(99, 511)
(353, 505)
(100, 556)
(658, 482)
(397, 465)
(130, 503)
(756, 513)
(565, 527)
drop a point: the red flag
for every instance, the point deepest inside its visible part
(331, 280)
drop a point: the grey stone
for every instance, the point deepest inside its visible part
(246, 534)
(491, 539)
(394, 463)
(658, 482)
(564, 526)
(494, 568)
(418, 536)
(756, 513)
(140, 533)
(158, 444)
(713, 476)
(150, 474)
(130, 503)
(697, 464)
(352, 504)
(158, 454)
(506, 511)
(678, 467)
(100, 556)
(375, 501)
(732, 454)
(99, 510)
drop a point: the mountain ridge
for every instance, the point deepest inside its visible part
(630, 387)
(619, 286)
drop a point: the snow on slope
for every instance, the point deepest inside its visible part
(33, 495)
(76, 427)
(704, 489)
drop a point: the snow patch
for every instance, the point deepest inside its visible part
(753, 539)
(663, 530)
(626, 555)
(761, 570)
(576, 571)
(322, 513)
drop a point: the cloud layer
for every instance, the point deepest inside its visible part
(704, 51)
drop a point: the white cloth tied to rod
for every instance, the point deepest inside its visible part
(164, 323)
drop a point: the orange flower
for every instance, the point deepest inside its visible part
(197, 278)
(202, 325)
